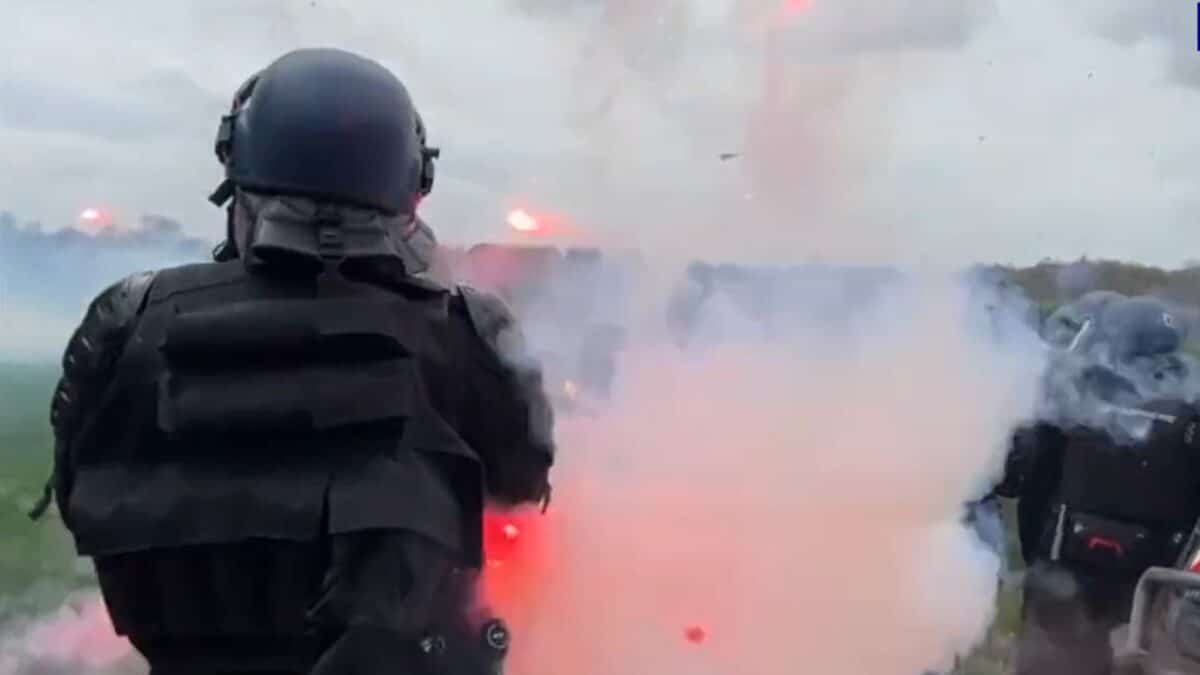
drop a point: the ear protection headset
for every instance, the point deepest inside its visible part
(428, 154)
(223, 145)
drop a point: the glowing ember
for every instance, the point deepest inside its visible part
(89, 215)
(511, 532)
(570, 389)
(521, 221)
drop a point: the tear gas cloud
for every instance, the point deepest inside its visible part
(798, 492)
(796, 488)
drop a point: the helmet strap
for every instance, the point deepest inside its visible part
(228, 249)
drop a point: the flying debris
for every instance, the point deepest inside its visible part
(729, 155)
(695, 634)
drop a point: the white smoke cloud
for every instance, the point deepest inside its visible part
(799, 495)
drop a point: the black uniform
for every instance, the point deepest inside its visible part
(279, 462)
(1100, 500)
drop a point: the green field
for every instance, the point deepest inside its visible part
(38, 568)
(37, 563)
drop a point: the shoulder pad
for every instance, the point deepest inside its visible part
(488, 311)
(97, 341)
(126, 297)
(494, 322)
(110, 315)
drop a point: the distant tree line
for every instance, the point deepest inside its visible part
(1050, 283)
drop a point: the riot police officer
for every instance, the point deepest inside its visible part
(278, 461)
(1108, 483)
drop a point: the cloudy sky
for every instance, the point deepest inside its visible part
(948, 130)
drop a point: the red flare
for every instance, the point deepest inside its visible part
(695, 634)
(522, 221)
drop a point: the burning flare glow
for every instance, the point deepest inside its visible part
(521, 221)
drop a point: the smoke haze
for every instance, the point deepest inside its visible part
(800, 495)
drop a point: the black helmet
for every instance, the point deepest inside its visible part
(1140, 327)
(1061, 327)
(329, 125)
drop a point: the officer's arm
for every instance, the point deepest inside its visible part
(1028, 443)
(87, 369)
(510, 421)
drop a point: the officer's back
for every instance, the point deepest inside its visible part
(279, 460)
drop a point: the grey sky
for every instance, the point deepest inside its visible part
(949, 129)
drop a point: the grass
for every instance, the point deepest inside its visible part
(38, 567)
(993, 656)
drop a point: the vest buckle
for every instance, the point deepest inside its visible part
(331, 243)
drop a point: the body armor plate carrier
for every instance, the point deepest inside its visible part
(246, 406)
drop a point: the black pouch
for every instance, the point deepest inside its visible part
(1107, 544)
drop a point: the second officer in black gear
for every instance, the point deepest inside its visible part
(1108, 483)
(278, 461)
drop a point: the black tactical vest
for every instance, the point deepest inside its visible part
(1155, 482)
(249, 406)
(1124, 507)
